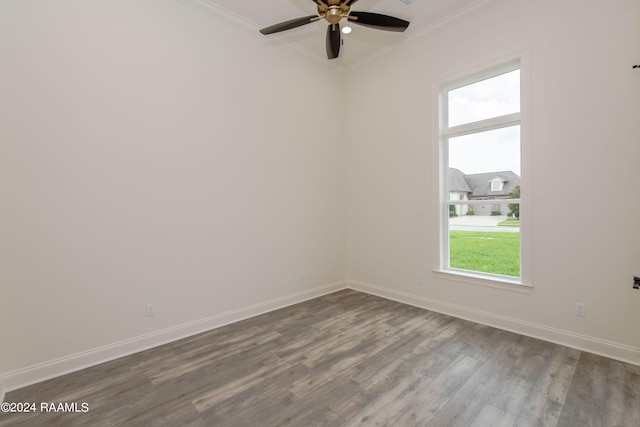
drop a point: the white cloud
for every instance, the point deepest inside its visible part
(495, 150)
(493, 97)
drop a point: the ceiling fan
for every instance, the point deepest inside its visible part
(334, 11)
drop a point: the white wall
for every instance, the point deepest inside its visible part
(153, 153)
(584, 150)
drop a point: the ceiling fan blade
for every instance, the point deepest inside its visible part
(287, 25)
(350, 2)
(333, 41)
(378, 21)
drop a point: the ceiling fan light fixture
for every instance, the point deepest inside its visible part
(333, 11)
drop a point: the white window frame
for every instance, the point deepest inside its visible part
(444, 133)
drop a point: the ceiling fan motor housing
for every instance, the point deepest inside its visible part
(333, 10)
(334, 15)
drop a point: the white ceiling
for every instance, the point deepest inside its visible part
(424, 15)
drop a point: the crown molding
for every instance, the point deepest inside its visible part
(219, 13)
(225, 16)
(466, 12)
(447, 21)
(213, 10)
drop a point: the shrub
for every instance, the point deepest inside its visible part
(515, 207)
(496, 213)
(471, 213)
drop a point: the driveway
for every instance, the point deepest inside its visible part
(480, 223)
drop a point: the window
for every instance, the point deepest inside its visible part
(480, 160)
(496, 184)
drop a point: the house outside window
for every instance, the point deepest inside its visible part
(479, 172)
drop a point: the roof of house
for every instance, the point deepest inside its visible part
(457, 181)
(479, 184)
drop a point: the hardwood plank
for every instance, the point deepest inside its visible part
(622, 403)
(546, 399)
(427, 401)
(516, 387)
(494, 417)
(584, 404)
(465, 405)
(382, 406)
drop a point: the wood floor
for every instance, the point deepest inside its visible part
(346, 359)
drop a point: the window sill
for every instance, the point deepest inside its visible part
(497, 282)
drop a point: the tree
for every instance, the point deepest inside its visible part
(514, 208)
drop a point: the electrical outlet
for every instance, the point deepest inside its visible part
(151, 309)
(581, 309)
(419, 280)
(301, 275)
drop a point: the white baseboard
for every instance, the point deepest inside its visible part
(617, 351)
(44, 371)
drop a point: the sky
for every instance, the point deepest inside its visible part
(491, 151)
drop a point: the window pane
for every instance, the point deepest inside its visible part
(484, 235)
(487, 152)
(487, 244)
(485, 99)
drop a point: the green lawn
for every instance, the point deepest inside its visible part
(489, 252)
(509, 223)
